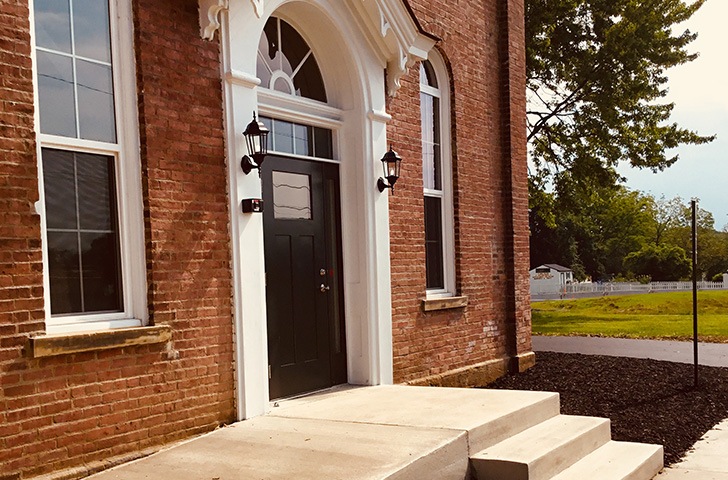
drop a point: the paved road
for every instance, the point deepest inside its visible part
(711, 354)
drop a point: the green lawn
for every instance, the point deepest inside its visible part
(654, 315)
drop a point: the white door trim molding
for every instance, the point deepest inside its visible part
(352, 58)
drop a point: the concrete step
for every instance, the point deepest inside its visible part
(488, 416)
(617, 461)
(542, 451)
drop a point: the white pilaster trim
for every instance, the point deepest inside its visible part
(243, 79)
(379, 116)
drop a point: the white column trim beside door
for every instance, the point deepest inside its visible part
(356, 109)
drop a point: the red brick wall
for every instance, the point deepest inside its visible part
(513, 50)
(21, 291)
(81, 409)
(490, 193)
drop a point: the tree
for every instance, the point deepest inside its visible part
(594, 230)
(667, 215)
(712, 247)
(595, 75)
(661, 263)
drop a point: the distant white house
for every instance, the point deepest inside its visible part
(550, 277)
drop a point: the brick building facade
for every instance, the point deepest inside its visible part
(177, 325)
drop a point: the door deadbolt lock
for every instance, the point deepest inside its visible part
(322, 272)
(324, 288)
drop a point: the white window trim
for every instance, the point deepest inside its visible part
(446, 194)
(127, 178)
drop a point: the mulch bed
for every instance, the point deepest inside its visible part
(648, 401)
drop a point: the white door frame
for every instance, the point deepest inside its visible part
(369, 35)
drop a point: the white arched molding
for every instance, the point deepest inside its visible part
(354, 41)
(388, 23)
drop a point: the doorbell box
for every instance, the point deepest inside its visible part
(252, 205)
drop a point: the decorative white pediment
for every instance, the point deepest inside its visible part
(396, 34)
(387, 23)
(209, 11)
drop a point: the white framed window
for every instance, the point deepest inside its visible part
(437, 178)
(88, 162)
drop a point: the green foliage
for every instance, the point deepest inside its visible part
(594, 232)
(596, 81)
(615, 232)
(660, 262)
(595, 76)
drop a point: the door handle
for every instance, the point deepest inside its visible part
(324, 288)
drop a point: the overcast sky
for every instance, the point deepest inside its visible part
(701, 97)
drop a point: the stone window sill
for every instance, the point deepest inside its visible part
(62, 344)
(444, 303)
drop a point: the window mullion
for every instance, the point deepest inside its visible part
(78, 233)
(73, 67)
(280, 43)
(301, 64)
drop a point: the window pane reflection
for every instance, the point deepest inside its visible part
(55, 94)
(91, 29)
(283, 136)
(298, 139)
(53, 24)
(430, 114)
(75, 82)
(95, 102)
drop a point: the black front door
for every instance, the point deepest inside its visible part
(303, 276)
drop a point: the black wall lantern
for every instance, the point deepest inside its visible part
(391, 163)
(256, 139)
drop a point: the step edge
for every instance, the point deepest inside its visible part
(642, 459)
(519, 438)
(485, 435)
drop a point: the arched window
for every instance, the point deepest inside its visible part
(287, 64)
(437, 178)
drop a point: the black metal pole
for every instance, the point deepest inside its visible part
(695, 293)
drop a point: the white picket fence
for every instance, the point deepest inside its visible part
(626, 287)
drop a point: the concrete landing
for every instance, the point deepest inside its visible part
(381, 433)
(384, 432)
(282, 448)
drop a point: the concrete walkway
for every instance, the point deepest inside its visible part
(707, 461)
(710, 354)
(709, 458)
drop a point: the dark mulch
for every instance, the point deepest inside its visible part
(647, 400)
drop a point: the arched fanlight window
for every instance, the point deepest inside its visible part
(287, 64)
